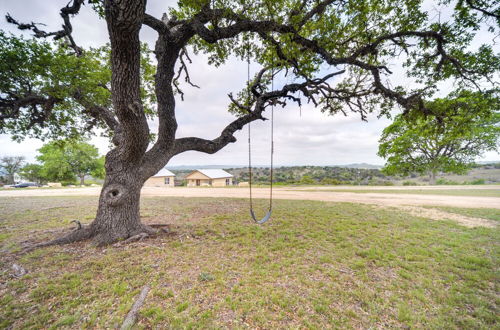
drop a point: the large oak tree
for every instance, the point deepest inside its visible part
(339, 55)
(461, 128)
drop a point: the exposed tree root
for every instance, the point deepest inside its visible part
(164, 227)
(84, 233)
(132, 314)
(159, 225)
(78, 223)
(135, 238)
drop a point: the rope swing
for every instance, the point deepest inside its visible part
(269, 212)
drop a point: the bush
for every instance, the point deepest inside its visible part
(331, 181)
(69, 183)
(442, 181)
(89, 182)
(477, 181)
(306, 179)
(373, 182)
(409, 183)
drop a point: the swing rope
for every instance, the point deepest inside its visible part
(249, 131)
(268, 214)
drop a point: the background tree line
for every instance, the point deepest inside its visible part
(338, 175)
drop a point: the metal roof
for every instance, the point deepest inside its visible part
(164, 172)
(215, 173)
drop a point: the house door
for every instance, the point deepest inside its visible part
(197, 182)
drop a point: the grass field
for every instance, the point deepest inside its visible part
(314, 265)
(444, 191)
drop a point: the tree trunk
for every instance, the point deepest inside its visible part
(82, 180)
(118, 212)
(127, 168)
(432, 177)
(118, 215)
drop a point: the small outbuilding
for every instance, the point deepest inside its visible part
(164, 178)
(209, 177)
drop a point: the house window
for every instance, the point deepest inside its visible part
(227, 182)
(167, 180)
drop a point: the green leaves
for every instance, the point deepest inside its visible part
(32, 172)
(52, 74)
(40, 82)
(461, 127)
(47, 92)
(358, 36)
(62, 160)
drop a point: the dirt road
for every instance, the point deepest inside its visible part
(296, 193)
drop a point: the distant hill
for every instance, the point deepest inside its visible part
(364, 166)
(486, 162)
(195, 167)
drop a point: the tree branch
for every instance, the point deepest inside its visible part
(262, 27)
(98, 112)
(10, 108)
(317, 10)
(261, 101)
(156, 24)
(494, 14)
(67, 28)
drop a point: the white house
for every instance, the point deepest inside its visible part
(209, 177)
(164, 178)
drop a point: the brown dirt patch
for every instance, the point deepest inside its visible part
(434, 214)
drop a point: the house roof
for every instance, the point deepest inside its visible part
(164, 172)
(215, 173)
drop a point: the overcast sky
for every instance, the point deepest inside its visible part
(311, 138)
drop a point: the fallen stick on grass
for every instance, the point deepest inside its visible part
(132, 314)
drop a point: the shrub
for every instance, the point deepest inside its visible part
(69, 183)
(306, 179)
(331, 181)
(89, 182)
(374, 182)
(443, 181)
(409, 183)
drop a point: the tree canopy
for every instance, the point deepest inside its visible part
(460, 128)
(63, 160)
(33, 172)
(10, 165)
(340, 55)
(47, 92)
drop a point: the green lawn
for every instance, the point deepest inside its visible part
(314, 265)
(448, 192)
